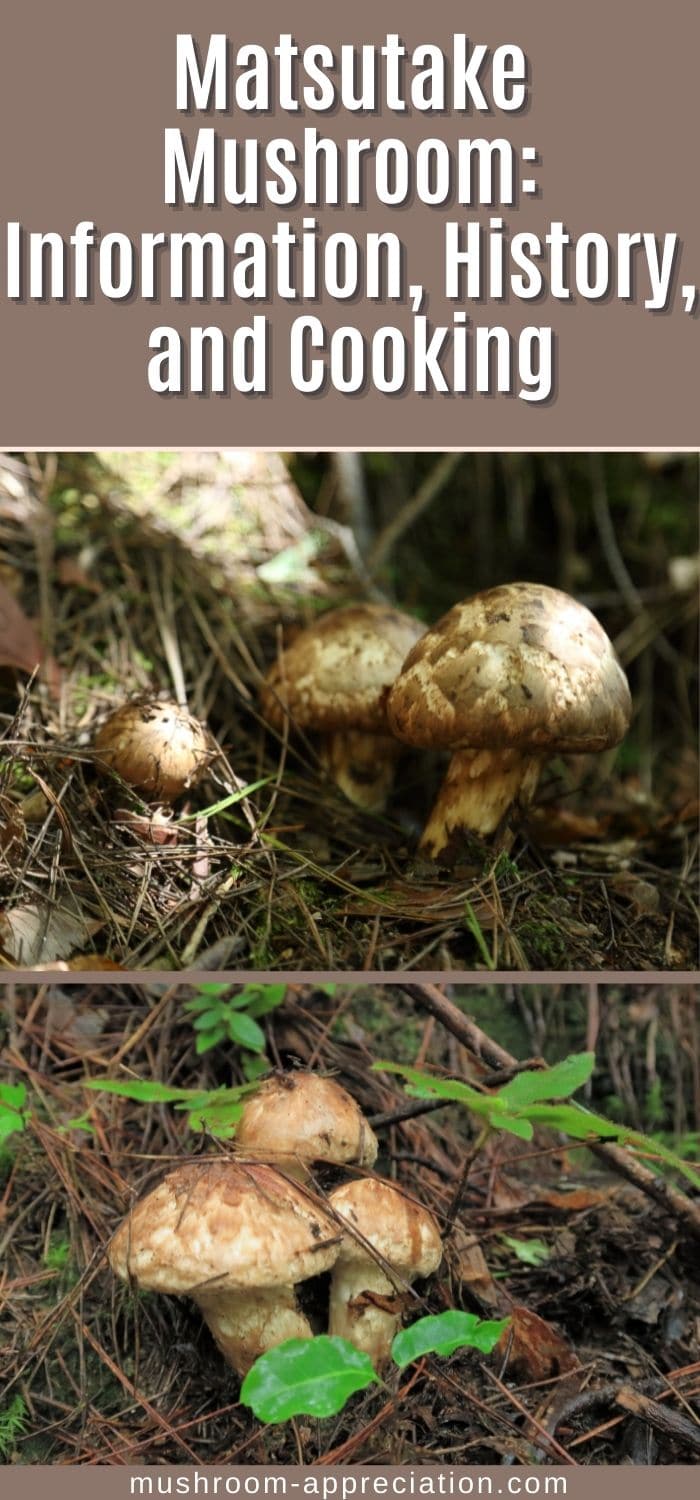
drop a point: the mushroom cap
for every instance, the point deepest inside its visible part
(306, 1116)
(218, 1225)
(159, 748)
(403, 1232)
(520, 666)
(335, 674)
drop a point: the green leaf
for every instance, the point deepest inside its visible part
(14, 1094)
(13, 1097)
(246, 1032)
(208, 1039)
(255, 1067)
(424, 1086)
(444, 1333)
(146, 1092)
(517, 1125)
(530, 1252)
(268, 997)
(311, 1377)
(557, 1082)
(219, 807)
(656, 1148)
(219, 1118)
(207, 1019)
(10, 1121)
(207, 1097)
(81, 1122)
(578, 1123)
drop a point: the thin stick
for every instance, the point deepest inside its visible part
(480, 1045)
(409, 513)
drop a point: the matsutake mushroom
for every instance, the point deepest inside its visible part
(297, 1118)
(235, 1237)
(333, 679)
(504, 680)
(390, 1242)
(158, 748)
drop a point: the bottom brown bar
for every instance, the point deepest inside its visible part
(382, 1483)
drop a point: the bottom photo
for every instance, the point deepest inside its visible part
(375, 1224)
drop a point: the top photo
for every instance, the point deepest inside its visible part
(310, 712)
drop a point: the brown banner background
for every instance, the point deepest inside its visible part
(85, 93)
(633, 1483)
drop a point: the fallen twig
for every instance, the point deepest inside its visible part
(623, 1162)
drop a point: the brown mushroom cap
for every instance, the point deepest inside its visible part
(366, 1293)
(159, 748)
(306, 1117)
(220, 1225)
(335, 674)
(520, 667)
(402, 1232)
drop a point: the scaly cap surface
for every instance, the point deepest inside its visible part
(335, 674)
(223, 1225)
(520, 667)
(306, 1116)
(400, 1230)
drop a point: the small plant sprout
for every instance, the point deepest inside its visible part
(317, 1377)
(13, 1114)
(220, 1014)
(539, 1098)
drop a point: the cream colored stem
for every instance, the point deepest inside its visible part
(368, 1327)
(362, 765)
(245, 1324)
(478, 789)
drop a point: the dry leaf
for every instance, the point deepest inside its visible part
(643, 896)
(420, 903)
(37, 933)
(554, 826)
(473, 1272)
(156, 828)
(536, 1351)
(20, 646)
(576, 1200)
(19, 639)
(91, 963)
(70, 574)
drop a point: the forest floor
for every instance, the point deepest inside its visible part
(183, 581)
(600, 1281)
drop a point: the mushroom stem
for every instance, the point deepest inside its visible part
(362, 765)
(245, 1324)
(478, 789)
(369, 1327)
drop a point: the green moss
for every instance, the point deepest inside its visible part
(544, 942)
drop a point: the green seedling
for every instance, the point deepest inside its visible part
(215, 1110)
(316, 1377)
(532, 1098)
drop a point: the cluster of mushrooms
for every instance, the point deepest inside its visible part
(504, 680)
(239, 1234)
